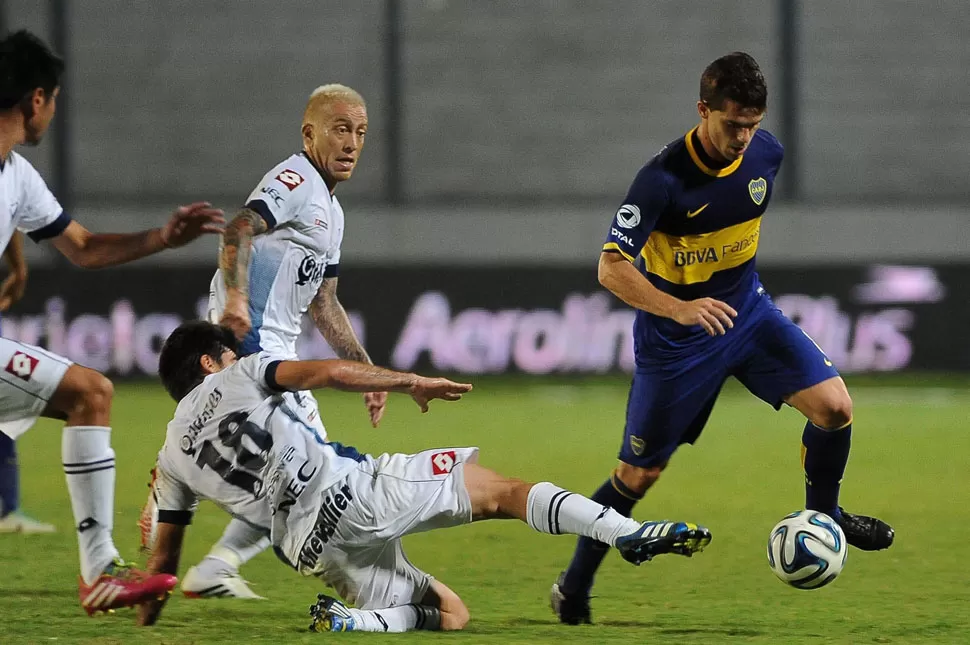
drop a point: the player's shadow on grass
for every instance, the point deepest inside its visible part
(8, 594)
(655, 626)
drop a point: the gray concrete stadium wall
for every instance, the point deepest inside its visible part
(551, 235)
(545, 109)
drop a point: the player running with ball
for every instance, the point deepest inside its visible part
(681, 250)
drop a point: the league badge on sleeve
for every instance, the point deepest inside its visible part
(628, 216)
(758, 189)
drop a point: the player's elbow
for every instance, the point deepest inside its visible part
(606, 271)
(83, 260)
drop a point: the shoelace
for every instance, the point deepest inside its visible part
(124, 571)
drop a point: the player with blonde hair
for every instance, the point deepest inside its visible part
(280, 258)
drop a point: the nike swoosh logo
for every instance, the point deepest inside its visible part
(694, 213)
(828, 363)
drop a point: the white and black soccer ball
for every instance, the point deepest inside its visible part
(807, 549)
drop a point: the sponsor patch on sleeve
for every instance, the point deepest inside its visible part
(290, 178)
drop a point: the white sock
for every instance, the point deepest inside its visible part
(239, 544)
(554, 510)
(89, 466)
(395, 620)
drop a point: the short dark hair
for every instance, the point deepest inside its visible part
(179, 363)
(26, 63)
(734, 77)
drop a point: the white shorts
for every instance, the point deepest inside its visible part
(391, 496)
(29, 376)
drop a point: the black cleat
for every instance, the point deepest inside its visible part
(571, 610)
(864, 532)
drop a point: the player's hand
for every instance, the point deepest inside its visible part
(428, 389)
(189, 222)
(236, 315)
(375, 402)
(12, 290)
(713, 315)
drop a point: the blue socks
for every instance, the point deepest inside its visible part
(589, 553)
(824, 455)
(9, 476)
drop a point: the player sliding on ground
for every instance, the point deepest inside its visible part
(240, 439)
(34, 382)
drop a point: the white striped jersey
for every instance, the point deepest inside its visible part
(290, 261)
(242, 443)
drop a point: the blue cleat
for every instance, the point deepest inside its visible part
(331, 615)
(657, 538)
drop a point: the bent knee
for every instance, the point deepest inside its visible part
(499, 497)
(638, 479)
(455, 618)
(97, 392)
(84, 393)
(835, 411)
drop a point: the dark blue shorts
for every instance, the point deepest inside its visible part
(671, 400)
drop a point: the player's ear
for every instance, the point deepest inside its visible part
(703, 109)
(308, 132)
(209, 365)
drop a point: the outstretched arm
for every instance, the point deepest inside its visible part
(12, 287)
(237, 246)
(97, 250)
(351, 376)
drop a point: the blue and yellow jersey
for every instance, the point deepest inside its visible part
(693, 229)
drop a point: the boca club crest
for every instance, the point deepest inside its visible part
(758, 188)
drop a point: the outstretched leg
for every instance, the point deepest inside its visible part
(547, 508)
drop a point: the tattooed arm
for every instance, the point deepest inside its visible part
(332, 321)
(234, 252)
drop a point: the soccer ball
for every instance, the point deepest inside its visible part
(807, 549)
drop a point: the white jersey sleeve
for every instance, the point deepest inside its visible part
(175, 501)
(38, 212)
(283, 192)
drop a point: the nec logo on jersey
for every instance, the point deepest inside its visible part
(628, 216)
(22, 366)
(758, 189)
(272, 192)
(310, 270)
(442, 462)
(290, 178)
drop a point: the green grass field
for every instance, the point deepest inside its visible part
(909, 466)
